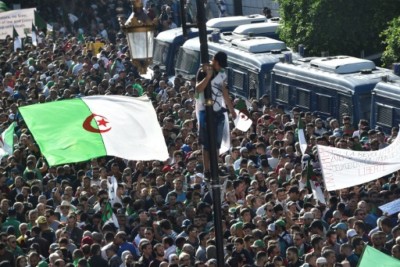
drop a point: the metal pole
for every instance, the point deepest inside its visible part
(183, 19)
(215, 184)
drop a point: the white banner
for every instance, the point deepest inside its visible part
(343, 168)
(22, 20)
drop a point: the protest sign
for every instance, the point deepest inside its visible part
(21, 19)
(343, 168)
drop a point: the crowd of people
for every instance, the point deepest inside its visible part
(55, 215)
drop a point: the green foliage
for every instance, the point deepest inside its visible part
(345, 27)
(392, 41)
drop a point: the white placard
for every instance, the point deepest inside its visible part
(21, 19)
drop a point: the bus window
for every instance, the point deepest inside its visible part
(160, 53)
(282, 92)
(188, 63)
(238, 80)
(364, 109)
(345, 106)
(324, 104)
(253, 84)
(267, 84)
(303, 98)
(384, 115)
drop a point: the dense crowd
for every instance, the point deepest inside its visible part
(53, 215)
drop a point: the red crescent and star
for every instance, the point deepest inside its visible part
(101, 122)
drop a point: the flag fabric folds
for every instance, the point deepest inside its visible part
(79, 129)
(372, 257)
(34, 36)
(7, 141)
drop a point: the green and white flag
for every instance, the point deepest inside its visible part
(17, 40)
(34, 35)
(7, 141)
(372, 257)
(109, 215)
(79, 129)
(301, 136)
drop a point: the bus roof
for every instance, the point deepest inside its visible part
(389, 88)
(355, 82)
(234, 21)
(254, 61)
(257, 28)
(343, 64)
(258, 44)
(169, 36)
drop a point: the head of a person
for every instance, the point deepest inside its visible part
(220, 61)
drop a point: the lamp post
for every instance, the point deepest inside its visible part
(211, 135)
(139, 30)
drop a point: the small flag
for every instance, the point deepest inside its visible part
(80, 129)
(17, 40)
(313, 184)
(81, 39)
(40, 24)
(372, 257)
(109, 216)
(242, 121)
(301, 137)
(7, 141)
(34, 36)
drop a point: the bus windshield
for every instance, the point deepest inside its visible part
(160, 53)
(188, 63)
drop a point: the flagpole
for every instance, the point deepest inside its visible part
(211, 135)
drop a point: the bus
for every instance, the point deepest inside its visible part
(329, 86)
(250, 62)
(167, 43)
(385, 104)
(166, 47)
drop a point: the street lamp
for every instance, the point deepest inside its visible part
(139, 30)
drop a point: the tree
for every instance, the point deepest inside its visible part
(392, 41)
(347, 27)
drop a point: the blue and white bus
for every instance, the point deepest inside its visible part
(330, 86)
(250, 62)
(167, 43)
(385, 110)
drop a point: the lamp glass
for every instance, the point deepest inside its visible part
(141, 44)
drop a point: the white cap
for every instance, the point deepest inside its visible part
(351, 233)
(321, 260)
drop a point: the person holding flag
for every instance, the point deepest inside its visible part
(216, 74)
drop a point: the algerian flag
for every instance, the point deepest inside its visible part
(7, 141)
(112, 185)
(242, 121)
(372, 257)
(312, 183)
(109, 216)
(301, 136)
(40, 23)
(34, 36)
(17, 40)
(79, 129)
